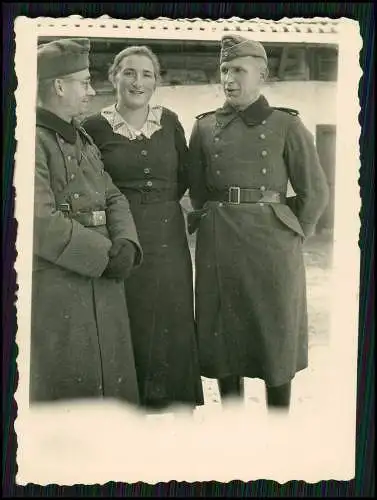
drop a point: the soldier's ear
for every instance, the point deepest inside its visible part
(58, 86)
(264, 73)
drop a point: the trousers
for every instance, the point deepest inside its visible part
(232, 386)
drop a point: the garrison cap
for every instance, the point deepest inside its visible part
(63, 57)
(233, 46)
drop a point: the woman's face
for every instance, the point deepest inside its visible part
(135, 81)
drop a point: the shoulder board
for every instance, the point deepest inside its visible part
(202, 115)
(290, 111)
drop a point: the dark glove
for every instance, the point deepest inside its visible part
(121, 259)
(292, 204)
(194, 218)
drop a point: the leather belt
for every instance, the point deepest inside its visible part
(236, 195)
(87, 219)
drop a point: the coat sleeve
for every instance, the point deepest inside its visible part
(182, 150)
(196, 169)
(306, 176)
(120, 222)
(60, 240)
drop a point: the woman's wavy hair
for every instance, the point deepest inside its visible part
(134, 50)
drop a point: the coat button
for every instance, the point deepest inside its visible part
(76, 196)
(218, 172)
(217, 139)
(69, 157)
(216, 155)
(264, 122)
(263, 188)
(264, 171)
(262, 136)
(221, 204)
(264, 153)
(72, 176)
(147, 170)
(149, 183)
(144, 152)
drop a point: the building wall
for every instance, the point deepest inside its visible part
(316, 101)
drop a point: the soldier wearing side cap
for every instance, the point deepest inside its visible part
(251, 307)
(85, 245)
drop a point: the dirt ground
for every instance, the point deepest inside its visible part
(318, 261)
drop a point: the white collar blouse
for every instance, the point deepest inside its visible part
(120, 126)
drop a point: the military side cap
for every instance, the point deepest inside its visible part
(233, 46)
(63, 57)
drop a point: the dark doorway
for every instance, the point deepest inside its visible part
(326, 143)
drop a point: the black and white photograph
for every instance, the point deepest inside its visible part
(188, 265)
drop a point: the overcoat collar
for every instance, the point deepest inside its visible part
(253, 115)
(49, 120)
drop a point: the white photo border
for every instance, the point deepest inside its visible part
(320, 446)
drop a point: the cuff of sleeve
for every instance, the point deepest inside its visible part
(86, 253)
(308, 228)
(138, 254)
(138, 250)
(196, 204)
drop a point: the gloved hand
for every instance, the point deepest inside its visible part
(194, 218)
(122, 258)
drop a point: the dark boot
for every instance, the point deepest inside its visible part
(231, 387)
(279, 397)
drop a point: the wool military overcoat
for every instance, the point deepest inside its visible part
(80, 335)
(251, 308)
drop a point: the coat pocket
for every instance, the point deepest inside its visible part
(288, 218)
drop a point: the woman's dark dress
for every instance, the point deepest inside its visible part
(151, 173)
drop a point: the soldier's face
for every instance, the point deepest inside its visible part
(77, 91)
(241, 79)
(135, 81)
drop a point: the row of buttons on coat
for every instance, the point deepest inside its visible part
(147, 170)
(264, 153)
(263, 171)
(262, 136)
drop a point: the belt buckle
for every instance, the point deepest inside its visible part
(64, 207)
(237, 190)
(98, 218)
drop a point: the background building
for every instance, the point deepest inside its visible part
(303, 59)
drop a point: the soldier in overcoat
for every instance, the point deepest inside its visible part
(85, 245)
(251, 308)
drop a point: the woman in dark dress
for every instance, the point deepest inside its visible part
(144, 150)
